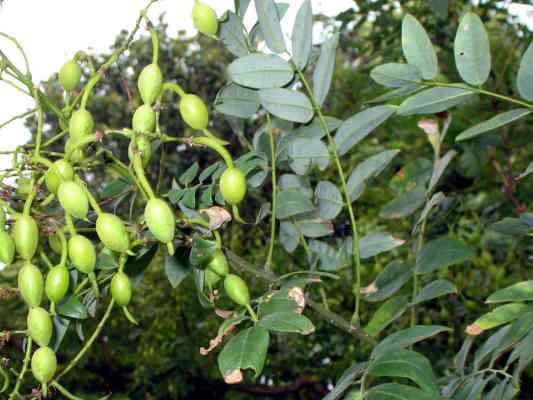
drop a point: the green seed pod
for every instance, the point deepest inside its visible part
(237, 289)
(194, 112)
(112, 233)
(26, 235)
(31, 283)
(219, 264)
(82, 253)
(57, 283)
(78, 155)
(211, 278)
(121, 289)
(40, 326)
(7, 248)
(44, 364)
(160, 220)
(70, 75)
(142, 145)
(55, 243)
(205, 19)
(61, 171)
(143, 119)
(233, 185)
(23, 186)
(73, 199)
(150, 83)
(2, 219)
(81, 124)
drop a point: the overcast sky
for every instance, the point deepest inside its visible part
(53, 31)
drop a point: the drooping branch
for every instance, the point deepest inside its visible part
(332, 318)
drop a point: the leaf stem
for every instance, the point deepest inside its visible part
(274, 193)
(15, 392)
(342, 176)
(481, 91)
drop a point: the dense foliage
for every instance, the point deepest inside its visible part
(410, 147)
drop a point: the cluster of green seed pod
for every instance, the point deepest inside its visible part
(7, 244)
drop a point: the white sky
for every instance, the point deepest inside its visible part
(53, 31)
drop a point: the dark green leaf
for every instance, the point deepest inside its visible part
(377, 243)
(346, 380)
(388, 282)
(522, 291)
(408, 364)
(73, 308)
(396, 391)
(287, 322)
(386, 314)
(433, 290)
(115, 188)
(289, 236)
(188, 176)
(177, 268)
(246, 350)
(511, 226)
(441, 253)
(202, 251)
(405, 204)
(408, 337)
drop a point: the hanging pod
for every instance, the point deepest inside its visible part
(44, 364)
(57, 283)
(205, 19)
(55, 243)
(7, 248)
(143, 119)
(40, 326)
(31, 284)
(144, 147)
(112, 233)
(70, 75)
(219, 264)
(2, 219)
(194, 111)
(150, 83)
(26, 235)
(233, 185)
(82, 254)
(211, 278)
(77, 155)
(73, 199)
(60, 171)
(160, 220)
(81, 124)
(121, 289)
(237, 289)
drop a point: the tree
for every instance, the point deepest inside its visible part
(299, 189)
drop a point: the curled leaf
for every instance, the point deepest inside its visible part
(234, 377)
(218, 216)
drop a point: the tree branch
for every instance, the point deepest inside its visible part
(334, 319)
